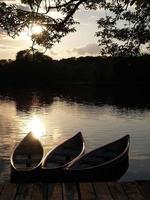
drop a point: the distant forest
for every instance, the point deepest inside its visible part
(41, 70)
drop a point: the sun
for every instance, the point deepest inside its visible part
(28, 32)
(36, 29)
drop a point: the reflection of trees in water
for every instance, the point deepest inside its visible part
(27, 99)
(5, 152)
(1, 164)
(121, 97)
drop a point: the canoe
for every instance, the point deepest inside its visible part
(26, 160)
(106, 163)
(52, 168)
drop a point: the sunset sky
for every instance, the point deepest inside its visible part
(81, 43)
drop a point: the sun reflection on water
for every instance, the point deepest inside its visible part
(36, 126)
(56, 134)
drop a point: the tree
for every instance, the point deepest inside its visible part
(28, 55)
(124, 30)
(14, 19)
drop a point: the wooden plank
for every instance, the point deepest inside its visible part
(45, 191)
(102, 191)
(117, 191)
(30, 191)
(144, 187)
(86, 191)
(37, 191)
(55, 191)
(132, 191)
(1, 187)
(22, 191)
(70, 191)
(9, 192)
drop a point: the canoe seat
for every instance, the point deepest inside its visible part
(94, 160)
(24, 166)
(25, 156)
(68, 152)
(25, 161)
(22, 161)
(58, 159)
(108, 155)
(64, 156)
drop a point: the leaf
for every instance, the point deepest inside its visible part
(138, 2)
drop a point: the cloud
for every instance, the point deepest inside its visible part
(89, 16)
(23, 7)
(5, 47)
(2, 33)
(91, 49)
(7, 0)
(53, 53)
(17, 3)
(11, 1)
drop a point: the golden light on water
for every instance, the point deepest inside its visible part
(56, 134)
(36, 126)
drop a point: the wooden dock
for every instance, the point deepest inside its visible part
(138, 190)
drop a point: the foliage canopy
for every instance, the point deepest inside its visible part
(124, 30)
(14, 18)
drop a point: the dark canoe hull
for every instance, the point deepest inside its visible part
(30, 176)
(57, 174)
(30, 152)
(112, 171)
(53, 175)
(115, 163)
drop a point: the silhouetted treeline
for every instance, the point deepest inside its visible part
(42, 70)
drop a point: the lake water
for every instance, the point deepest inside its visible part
(101, 114)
